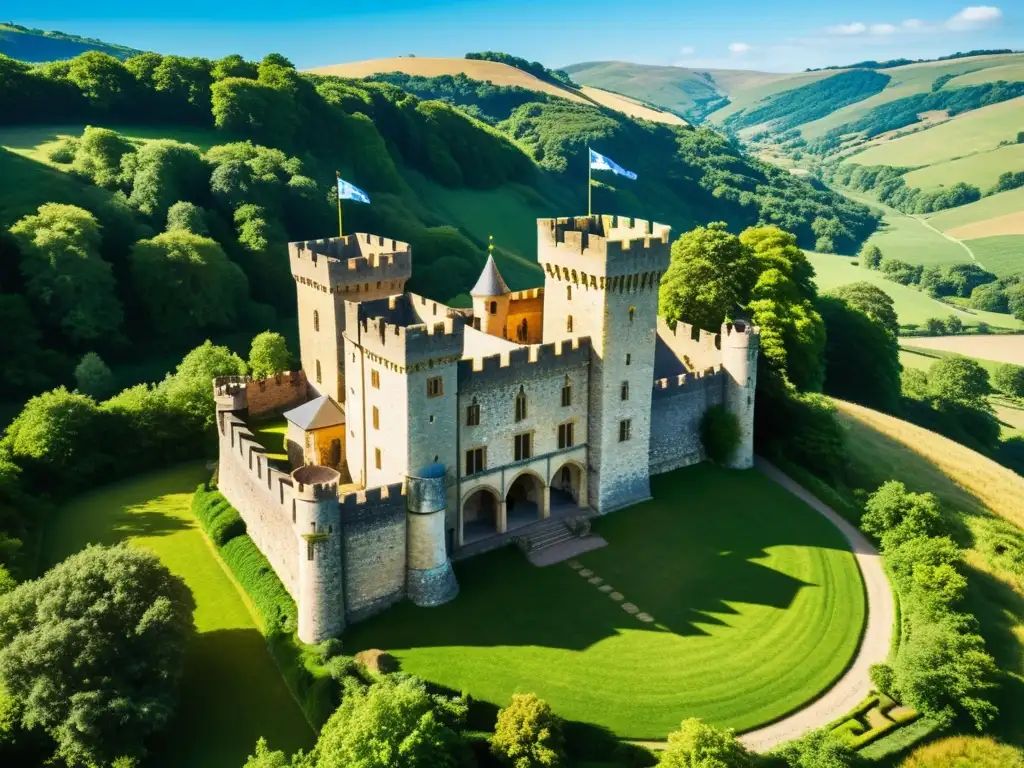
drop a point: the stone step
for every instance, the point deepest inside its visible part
(549, 535)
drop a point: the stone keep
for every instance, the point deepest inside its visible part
(430, 579)
(740, 343)
(320, 598)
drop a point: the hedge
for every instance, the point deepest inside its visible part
(219, 519)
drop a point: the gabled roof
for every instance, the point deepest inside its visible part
(490, 282)
(316, 414)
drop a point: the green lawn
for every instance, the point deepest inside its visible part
(758, 606)
(232, 693)
(270, 434)
(33, 141)
(986, 208)
(1001, 254)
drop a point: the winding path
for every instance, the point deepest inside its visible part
(952, 239)
(854, 685)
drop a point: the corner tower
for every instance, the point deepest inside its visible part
(328, 273)
(601, 280)
(320, 595)
(740, 342)
(491, 297)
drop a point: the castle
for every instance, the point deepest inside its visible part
(419, 432)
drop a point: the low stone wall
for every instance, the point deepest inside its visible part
(276, 394)
(374, 550)
(676, 411)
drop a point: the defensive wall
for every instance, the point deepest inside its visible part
(406, 331)
(685, 348)
(598, 250)
(677, 406)
(271, 396)
(354, 264)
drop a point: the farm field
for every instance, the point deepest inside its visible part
(1002, 255)
(1003, 204)
(981, 169)
(630, 107)
(997, 349)
(974, 131)
(750, 591)
(232, 692)
(1010, 224)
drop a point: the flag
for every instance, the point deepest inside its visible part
(601, 163)
(347, 191)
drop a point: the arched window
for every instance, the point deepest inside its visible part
(473, 414)
(568, 324)
(632, 310)
(494, 307)
(316, 320)
(625, 390)
(568, 291)
(521, 405)
(317, 371)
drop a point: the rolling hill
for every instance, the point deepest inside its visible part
(37, 45)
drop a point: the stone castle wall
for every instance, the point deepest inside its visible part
(695, 348)
(526, 306)
(266, 397)
(677, 407)
(373, 549)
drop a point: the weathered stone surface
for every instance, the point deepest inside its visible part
(645, 617)
(605, 588)
(617, 596)
(585, 573)
(630, 608)
(433, 587)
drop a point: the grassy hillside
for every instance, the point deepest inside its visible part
(1002, 255)
(986, 209)
(981, 170)
(630, 106)
(35, 45)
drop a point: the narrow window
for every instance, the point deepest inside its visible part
(475, 460)
(632, 310)
(473, 414)
(567, 393)
(625, 390)
(494, 307)
(476, 323)
(317, 371)
(375, 378)
(376, 457)
(565, 435)
(316, 320)
(376, 418)
(568, 292)
(568, 324)
(435, 386)
(335, 452)
(625, 430)
(309, 550)
(521, 405)
(523, 446)
(628, 358)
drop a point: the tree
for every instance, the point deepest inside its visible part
(187, 216)
(233, 65)
(186, 84)
(23, 361)
(870, 256)
(954, 325)
(102, 79)
(93, 377)
(1015, 300)
(98, 155)
(699, 745)
(93, 650)
(186, 283)
(989, 297)
(720, 434)
(710, 274)
(265, 758)
(528, 734)
(390, 724)
(64, 274)
(232, 184)
(268, 355)
(914, 384)
(934, 326)
(963, 751)
(892, 508)
(251, 108)
(961, 380)
(189, 390)
(818, 749)
(872, 301)
(161, 173)
(962, 279)
(1009, 378)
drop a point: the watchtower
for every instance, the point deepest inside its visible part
(328, 273)
(601, 280)
(320, 597)
(740, 342)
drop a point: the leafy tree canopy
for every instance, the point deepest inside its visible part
(188, 217)
(528, 734)
(872, 301)
(93, 377)
(960, 380)
(268, 355)
(699, 745)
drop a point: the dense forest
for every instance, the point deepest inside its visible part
(535, 68)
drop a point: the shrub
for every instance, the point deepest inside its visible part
(377, 662)
(253, 571)
(93, 377)
(954, 325)
(818, 749)
(528, 734)
(894, 512)
(964, 752)
(219, 519)
(268, 355)
(720, 433)
(699, 745)
(63, 151)
(934, 326)
(959, 380)
(1009, 379)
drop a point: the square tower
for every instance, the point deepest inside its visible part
(328, 273)
(601, 280)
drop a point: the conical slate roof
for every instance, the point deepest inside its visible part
(316, 414)
(490, 283)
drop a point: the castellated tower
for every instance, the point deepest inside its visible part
(739, 361)
(317, 525)
(327, 273)
(430, 579)
(601, 280)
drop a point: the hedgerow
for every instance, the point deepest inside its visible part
(219, 519)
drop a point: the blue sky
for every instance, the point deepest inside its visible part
(783, 35)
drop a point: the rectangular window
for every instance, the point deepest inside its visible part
(524, 446)
(625, 391)
(475, 460)
(435, 386)
(565, 435)
(520, 405)
(566, 396)
(376, 418)
(628, 358)
(625, 430)
(376, 457)
(473, 415)
(375, 379)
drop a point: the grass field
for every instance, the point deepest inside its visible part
(1002, 255)
(630, 107)
(983, 210)
(988, 350)
(1013, 72)
(981, 169)
(232, 692)
(270, 434)
(757, 606)
(1009, 224)
(33, 141)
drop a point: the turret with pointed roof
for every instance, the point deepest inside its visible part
(490, 298)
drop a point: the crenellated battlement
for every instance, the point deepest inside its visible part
(740, 333)
(261, 397)
(347, 264)
(601, 246)
(315, 483)
(529, 293)
(362, 505)
(406, 330)
(689, 382)
(524, 362)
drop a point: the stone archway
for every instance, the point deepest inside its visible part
(524, 501)
(569, 487)
(480, 515)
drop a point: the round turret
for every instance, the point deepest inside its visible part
(740, 343)
(318, 528)
(430, 579)
(491, 298)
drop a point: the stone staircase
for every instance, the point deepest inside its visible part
(551, 532)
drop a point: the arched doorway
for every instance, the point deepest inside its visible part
(568, 488)
(524, 502)
(479, 515)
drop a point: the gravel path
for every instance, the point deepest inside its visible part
(855, 684)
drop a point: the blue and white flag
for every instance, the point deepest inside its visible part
(601, 163)
(348, 191)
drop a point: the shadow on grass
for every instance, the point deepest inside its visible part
(683, 558)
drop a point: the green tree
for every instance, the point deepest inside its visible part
(189, 390)
(187, 216)
(266, 758)
(935, 326)
(870, 256)
(872, 301)
(102, 79)
(23, 361)
(1009, 378)
(93, 650)
(93, 377)
(710, 274)
(250, 108)
(818, 749)
(163, 172)
(893, 508)
(390, 724)
(268, 355)
(914, 384)
(989, 297)
(954, 325)
(1015, 300)
(263, 241)
(699, 745)
(961, 380)
(232, 184)
(64, 274)
(720, 434)
(186, 283)
(233, 65)
(528, 734)
(186, 83)
(98, 155)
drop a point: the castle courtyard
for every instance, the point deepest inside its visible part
(724, 598)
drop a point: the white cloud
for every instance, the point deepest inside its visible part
(739, 48)
(856, 28)
(687, 50)
(882, 29)
(974, 17)
(912, 24)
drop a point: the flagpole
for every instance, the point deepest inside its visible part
(590, 183)
(340, 231)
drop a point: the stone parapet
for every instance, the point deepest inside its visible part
(523, 363)
(603, 246)
(688, 382)
(333, 264)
